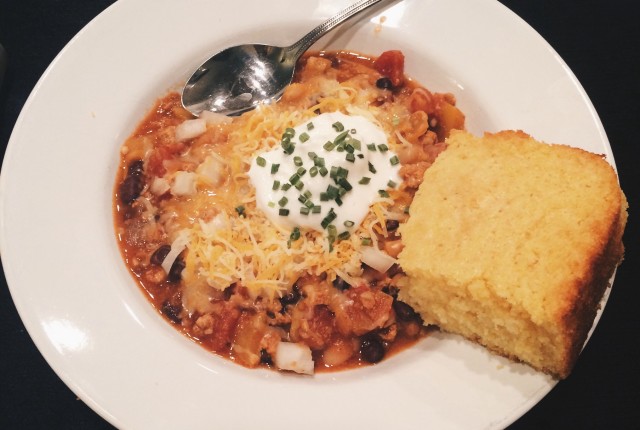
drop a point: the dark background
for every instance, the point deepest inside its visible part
(599, 40)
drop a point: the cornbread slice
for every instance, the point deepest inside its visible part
(511, 243)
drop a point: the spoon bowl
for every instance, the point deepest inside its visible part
(239, 78)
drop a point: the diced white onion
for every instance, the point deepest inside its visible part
(214, 118)
(184, 184)
(191, 128)
(295, 357)
(377, 259)
(159, 186)
(211, 170)
(177, 246)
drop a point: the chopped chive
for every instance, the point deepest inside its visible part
(350, 157)
(304, 137)
(328, 219)
(261, 161)
(372, 169)
(310, 126)
(324, 197)
(391, 184)
(283, 212)
(383, 148)
(323, 171)
(240, 210)
(313, 171)
(366, 241)
(331, 236)
(316, 209)
(289, 132)
(329, 146)
(302, 199)
(383, 193)
(360, 155)
(288, 148)
(342, 172)
(285, 187)
(338, 201)
(349, 148)
(307, 194)
(344, 235)
(371, 147)
(394, 160)
(345, 184)
(354, 131)
(365, 180)
(301, 171)
(294, 179)
(299, 185)
(356, 144)
(295, 234)
(337, 126)
(341, 137)
(283, 201)
(332, 192)
(318, 161)
(304, 210)
(297, 161)
(274, 168)
(349, 223)
(276, 185)
(312, 155)
(271, 204)
(309, 204)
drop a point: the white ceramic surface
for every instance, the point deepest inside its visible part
(86, 314)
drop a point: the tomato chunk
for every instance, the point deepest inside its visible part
(391, 65)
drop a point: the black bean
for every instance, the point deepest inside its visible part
(133, 184)
(384, 83)
(136, 168)
(404, 312)
(175, 273)
(265, 357)
(171, 311)
(131, 188)
(159, 255)
(371, 348)
(228, 292)
(390, 290)
(392, 224)
(292, 297)
(341, 284)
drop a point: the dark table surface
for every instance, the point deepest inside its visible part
(599, 40)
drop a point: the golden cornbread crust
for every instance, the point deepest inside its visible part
(512, 242)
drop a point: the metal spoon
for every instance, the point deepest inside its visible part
(239, 78)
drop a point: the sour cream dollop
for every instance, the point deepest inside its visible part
(327, 171)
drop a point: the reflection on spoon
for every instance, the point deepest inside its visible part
(239, 78)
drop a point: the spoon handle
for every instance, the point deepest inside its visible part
(298, 48)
